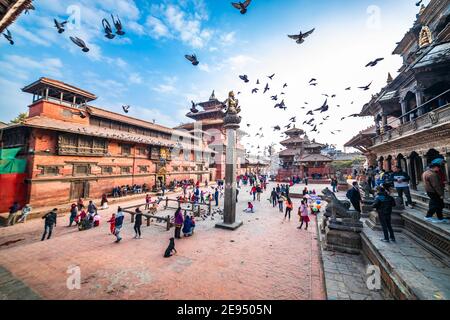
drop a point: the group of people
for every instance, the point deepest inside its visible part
(18, 215)
(123, 191)
(185, 223)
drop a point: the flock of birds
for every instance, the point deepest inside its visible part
(317, 120)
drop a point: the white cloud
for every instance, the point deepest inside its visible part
(158, 28)
(135, 78)
(19, 65)
(227, 39)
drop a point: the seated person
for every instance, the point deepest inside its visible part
(188, 227)
(249, 208)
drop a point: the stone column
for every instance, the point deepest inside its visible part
(229, 215)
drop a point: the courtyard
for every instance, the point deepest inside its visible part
(267, 258)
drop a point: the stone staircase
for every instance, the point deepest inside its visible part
(417, 266)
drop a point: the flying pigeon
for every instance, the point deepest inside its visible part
(281, 105)
(293, 119)
(193, 107)
(313, 84)
(271, 77)
(365, 88)
(374, 62)
(313, 80)
(276, 128)
(244, 78)
(266, 88)
(324, 107)
(29, 7)
(242, 6)
(255, 90)
(300, 38)
(79, 42)
(8, 37)
(348, 89)
(274, 98)
(310, 113)
(126, 108)
(108, 30)
(60, 25)
(285, 85)
(118, 24)
(193, 59)
(257, 81)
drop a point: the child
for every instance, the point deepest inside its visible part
(304, 215)
(112, 223)
(96, 220)
(249, 208)
(148, 200)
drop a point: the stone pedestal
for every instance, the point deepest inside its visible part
(396, 219)
(366, 206)
(229, 214)
(342, 241)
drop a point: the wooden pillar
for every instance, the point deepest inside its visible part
(61, 97)
(424, 162)
(409, 170)
(419, 101)
(447, 169)
(403, 119)
(46, 93)
(167, 203)
(74, 100)
(168, 223)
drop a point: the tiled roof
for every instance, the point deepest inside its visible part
(60, 85)
(315, 157)
(64, 126)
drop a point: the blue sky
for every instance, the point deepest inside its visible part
(147, 70)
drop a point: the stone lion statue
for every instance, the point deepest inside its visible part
(339, 209)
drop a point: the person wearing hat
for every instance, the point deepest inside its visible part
(435, 190)
(440, 162)
(401, 184)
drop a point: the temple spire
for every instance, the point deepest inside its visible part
(389, 79)
(213, 96)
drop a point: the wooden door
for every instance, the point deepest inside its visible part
(79, 189)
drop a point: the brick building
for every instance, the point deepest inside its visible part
(76, 150)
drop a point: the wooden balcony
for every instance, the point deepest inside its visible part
(430, 120)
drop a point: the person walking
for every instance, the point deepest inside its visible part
(303, 212)
(274, 197)
(112, 224)
(73, 213)
(289, 207)
(137, 223)
(401, 184)
(355, 197)
(258, 192)
(118, 224)
(163, 189)
(148, 200)
(49, 223)
(178, 223)
(435, 190)
(80, 204)
(216, 196)
(306, 180)
(334, 184)
(25, 213)
(12, 213)
(280, 202)
(104, 202)
(253, 192)
(92, 209)
(384, 204)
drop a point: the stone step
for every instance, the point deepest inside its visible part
(421, 200)
(435, 237)
(408, 269)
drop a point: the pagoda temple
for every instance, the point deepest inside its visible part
(302, 157)
(209, 126)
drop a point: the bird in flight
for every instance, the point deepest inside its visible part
(365, 88)
(242, 6)
(79, 42)
(266, 88)
(276, 128)
(118, 25)
(285, 85)
(60, 25)
(193, 107)
(8, 37)
(293, 119)
(244, 78)
(193, 59)
(300, 38)
(348, 89)
(255, 90)
(108, 30)
(271, 77)
(324, 107)
(126, 108)
(274, 98)
(374, 62)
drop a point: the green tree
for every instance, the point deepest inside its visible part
(20, 118)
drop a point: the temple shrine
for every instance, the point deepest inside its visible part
(302, 157)
(209, 126)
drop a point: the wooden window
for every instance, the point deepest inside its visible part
(49, 170)
(125, 170)
(143, 169)
(155, 153)
(81, 169)
(141, 151)
(107, 170)
(126, 149)
(176, 168)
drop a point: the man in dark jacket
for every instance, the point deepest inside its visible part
(13, 213)
(355, 197)
(401, 184)
(435, 190)
(384, 204)
(274, 197)
(49, 222)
